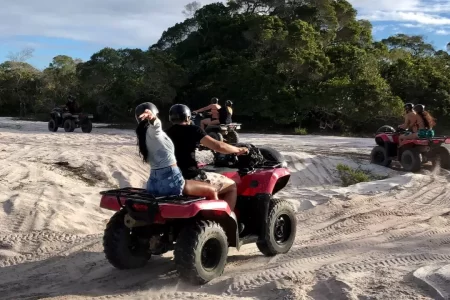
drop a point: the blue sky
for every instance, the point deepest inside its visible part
(82, 27)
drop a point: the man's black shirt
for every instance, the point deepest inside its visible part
(185, 139)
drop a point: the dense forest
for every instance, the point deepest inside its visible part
(284, 64)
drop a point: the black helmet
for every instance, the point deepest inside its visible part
(228, 103)
(419, 108)
(179, 113)
(71, 98)
(214, 100)
(142, 107)
(408, 106)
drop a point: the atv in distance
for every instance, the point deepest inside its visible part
(199, 230)
(221, 132)
(410, 153)
(62, 118)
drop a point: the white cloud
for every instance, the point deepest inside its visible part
(128, 23)
(443, 32)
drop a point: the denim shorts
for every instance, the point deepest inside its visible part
(166, 182)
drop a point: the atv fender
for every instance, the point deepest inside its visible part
(263, 182)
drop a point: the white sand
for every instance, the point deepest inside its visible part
(379, 240)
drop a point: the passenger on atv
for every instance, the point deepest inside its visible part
(214, 107)
(226, 112)
(186, 137)
(157, 149)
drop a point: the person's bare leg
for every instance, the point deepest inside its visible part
(205, 123)
(225, 186)
(200, 189)
(229, 195)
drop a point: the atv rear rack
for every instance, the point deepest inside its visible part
(142, 196)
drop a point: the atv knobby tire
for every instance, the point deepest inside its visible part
(216, 135)
(195, 262)
(86, 126)
(379, 156)
(274, 243)
(69, 125)
(232, 137)
(118, 243)
(52, 126)
(410, 160)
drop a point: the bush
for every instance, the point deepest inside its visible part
(350, 176)
(300, 131)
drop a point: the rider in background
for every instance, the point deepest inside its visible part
(156, 149)
(214, 108)
(72, 105)
(186, 137)
(410, 121)
(226, 112)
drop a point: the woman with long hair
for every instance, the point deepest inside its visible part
(157, 149)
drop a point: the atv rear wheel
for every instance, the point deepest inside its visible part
(281, 229)
(216, 135)
(379, 156)
(52, 126)
(122, 248)
(86, 126)
(232, 137)
(201, 252)
(410, 160)
(69, 125)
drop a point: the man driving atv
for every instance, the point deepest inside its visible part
(410, 121)
(185, 137)
(72, 105)
(214, 108)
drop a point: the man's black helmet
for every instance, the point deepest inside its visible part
(419, 108)
(408, 106)
(179, 113)
(214, 100)
(71, 98)
(142, 107)
(228, 103)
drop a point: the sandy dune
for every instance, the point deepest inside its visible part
(380, 240)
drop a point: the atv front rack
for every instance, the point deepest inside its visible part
(142, 196)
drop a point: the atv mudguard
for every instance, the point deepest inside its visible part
(268, 181)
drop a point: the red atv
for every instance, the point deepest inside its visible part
(410, 153)
(201, 230)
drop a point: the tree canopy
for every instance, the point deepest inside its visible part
(311, 63)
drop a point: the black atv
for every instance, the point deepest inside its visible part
(62, 118)
(223, 132)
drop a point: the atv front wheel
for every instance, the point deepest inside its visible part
(86, 126)
(232, 137)
(281, 229)
(69, 125)
(379, 156)
(52, 126)
(216, 135)
(122, 248)
(201, 252)
(410, 160)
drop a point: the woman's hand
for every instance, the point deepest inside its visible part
(147, 115)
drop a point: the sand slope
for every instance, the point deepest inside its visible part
(382, 240)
